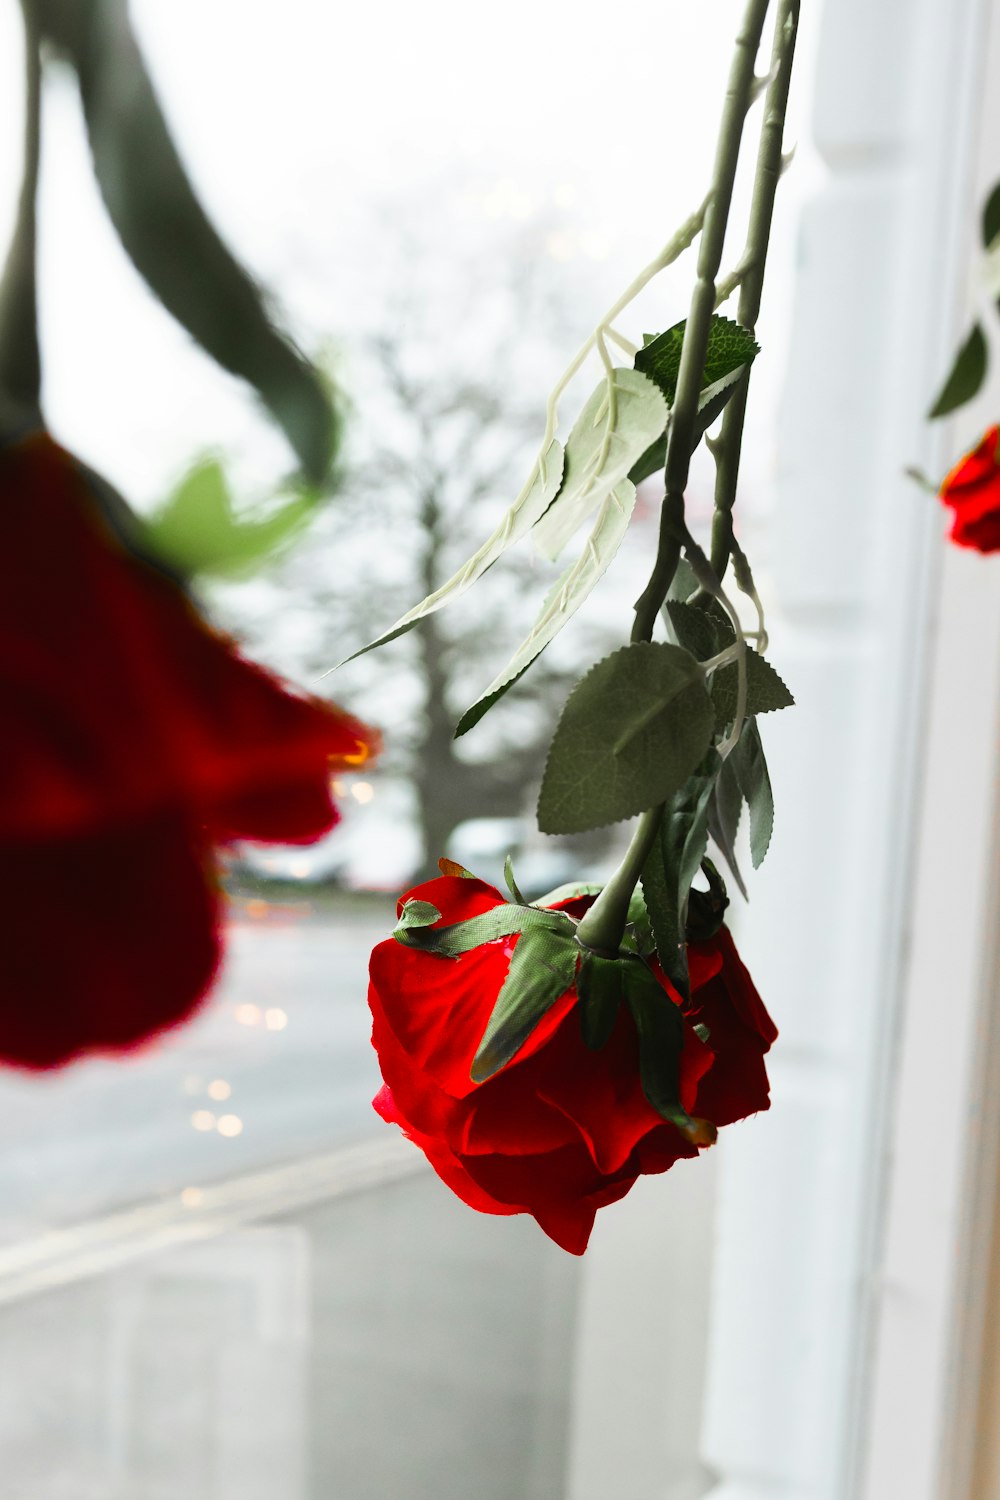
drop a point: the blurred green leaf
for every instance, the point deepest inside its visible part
(750, 769)
(198, 531)
(168, 236)
(966, 377)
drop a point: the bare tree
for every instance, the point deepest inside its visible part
(449, 395)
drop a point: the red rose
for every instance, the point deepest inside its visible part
(135, 739)
(972, 489)
(562, 1129)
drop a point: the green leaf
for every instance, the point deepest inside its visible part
(766, 693)
(563, 600)
(630, 735)
(730, 347)
(622, 417)
(601, 989)
(966, 377)
(684, 582)
(750, 769)
(198, 531)
(462, 937)
(672, 866)
(569, 892)
(417, 914)
(542, 969)
(991, 218)
(724, 811)
(530, 505)
(694, 629)
(169, 238)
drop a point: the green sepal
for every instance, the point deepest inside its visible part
(511, 883)
(600, 988)
(414, 930)
(631, 733)
(706, 910)
(569, 892)
(542, 969)
(966, 376)
(672, 865)
(660, 1027)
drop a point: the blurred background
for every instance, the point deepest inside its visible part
(220, 1274)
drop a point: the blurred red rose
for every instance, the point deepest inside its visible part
(561, 1130)
(135, 739)
(972, 490)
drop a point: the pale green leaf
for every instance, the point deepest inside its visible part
(564, 599)
(530, 505)
(489, 927)
(616, 426)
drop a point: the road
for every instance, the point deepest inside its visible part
(277, 1065)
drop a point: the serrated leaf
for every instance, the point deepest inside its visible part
(694, 629)
(542, 969)
(673, 864)
(766, 692)
(197, 530)
(168, 236)
(750, 769)
(601, 989)
(621, 419)
(563, 601)
(488, 927)
(724, 811)
(712, 402)
(730, 347)
(530, 505)
(630, 735)
(966, 377)
(991, 218)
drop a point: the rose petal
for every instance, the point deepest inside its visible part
(107, 940)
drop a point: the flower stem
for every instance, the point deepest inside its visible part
(753, 261)
(604, 923)
(20, 362)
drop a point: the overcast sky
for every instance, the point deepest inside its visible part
(294, 119)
